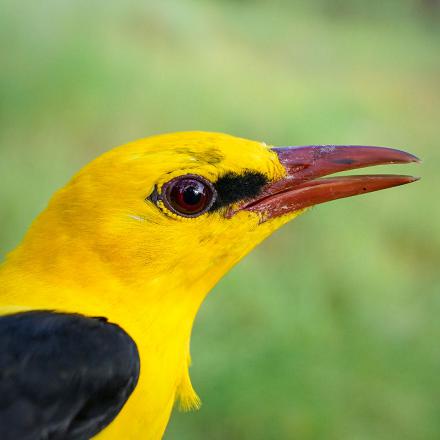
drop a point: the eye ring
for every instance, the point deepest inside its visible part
(187, 196)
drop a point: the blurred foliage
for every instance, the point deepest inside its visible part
(343, 9)
(330, 329)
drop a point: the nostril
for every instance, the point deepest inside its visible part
(343, 161)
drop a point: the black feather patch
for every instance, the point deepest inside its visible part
(62, 376)
(233, 187)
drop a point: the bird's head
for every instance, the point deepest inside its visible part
(188, 206)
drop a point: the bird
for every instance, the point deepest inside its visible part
(98, 301)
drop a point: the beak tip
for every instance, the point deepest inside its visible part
(414, 159)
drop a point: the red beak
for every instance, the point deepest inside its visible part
(303, 186)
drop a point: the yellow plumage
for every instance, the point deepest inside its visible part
(104, 247)
(93, 252)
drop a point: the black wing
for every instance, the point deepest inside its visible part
(62, 376)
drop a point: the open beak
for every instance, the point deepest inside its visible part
(304, 185)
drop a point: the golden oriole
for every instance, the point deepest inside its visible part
(99, 299)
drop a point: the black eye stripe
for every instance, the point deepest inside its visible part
(228, 189)
(234, 187)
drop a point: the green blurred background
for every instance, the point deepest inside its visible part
(330, 329)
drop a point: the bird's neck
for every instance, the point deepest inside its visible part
(156, 309)
(67, 274)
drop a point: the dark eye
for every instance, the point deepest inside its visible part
(188, 196)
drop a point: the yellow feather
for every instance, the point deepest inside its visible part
(102, 250)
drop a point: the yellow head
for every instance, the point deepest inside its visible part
(142, 233)
(108, 209)
(123, 208)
